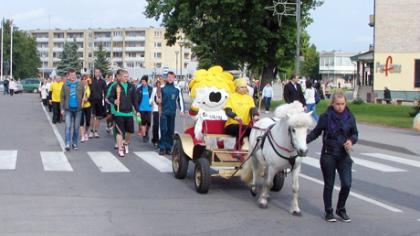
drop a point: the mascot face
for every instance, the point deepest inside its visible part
(211, 98)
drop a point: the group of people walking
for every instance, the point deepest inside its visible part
(83, 103)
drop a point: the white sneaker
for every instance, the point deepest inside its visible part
(86, 137)
(90, 134)
(82, 140)
(96, 134)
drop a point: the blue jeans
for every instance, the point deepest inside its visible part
(167, 129)
(343, 166)
(267, 103)
(72, 119)
(312, 107)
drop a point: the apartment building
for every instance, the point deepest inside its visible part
(140, 50)
(337, 68)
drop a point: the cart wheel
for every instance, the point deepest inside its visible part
(278, 182)
(179, 161)
(202, 175)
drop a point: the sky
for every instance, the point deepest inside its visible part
(338, 24)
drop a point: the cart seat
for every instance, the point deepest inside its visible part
(213, 126)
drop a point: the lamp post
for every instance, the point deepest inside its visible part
(181, 44)
(297, 65)
(11, 48)
(176, 62)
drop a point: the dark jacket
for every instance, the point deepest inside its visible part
(139, 94)
(332, 143)
(127, 100)
(291, 94)
(97, 89)
(65, 93)
(171, 96)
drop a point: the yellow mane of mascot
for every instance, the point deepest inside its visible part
(209, 90)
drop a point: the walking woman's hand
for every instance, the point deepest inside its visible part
(348, 145)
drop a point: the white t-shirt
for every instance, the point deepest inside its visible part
(310, 95)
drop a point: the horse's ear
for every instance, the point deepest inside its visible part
(288, 116)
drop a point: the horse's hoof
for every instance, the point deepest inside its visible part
(297, 213)
(263, 204)
(253, 191)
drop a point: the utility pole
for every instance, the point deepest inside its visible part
(1, 60)
(11, 48)
(298, 31)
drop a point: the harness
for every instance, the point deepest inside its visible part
(269, 136)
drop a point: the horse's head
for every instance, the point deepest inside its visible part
(298, 129)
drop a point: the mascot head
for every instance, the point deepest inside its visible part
(210, 88)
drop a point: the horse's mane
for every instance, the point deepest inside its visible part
(295, 114)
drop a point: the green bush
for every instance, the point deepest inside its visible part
(358, 101)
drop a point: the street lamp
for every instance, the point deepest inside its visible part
(181, 44)
(176, 65)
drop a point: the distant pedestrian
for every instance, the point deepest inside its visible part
(267, 96)
(310, 93)
(71, 99)
(143, 101)
(123, 97)
(86, 110)
(97, 99)
(44, 92)
(155, 114)
(339, 130)
(6, 86)
(171, 97)
(12, 87)
(55, 94)
(48, 89)
(293, 91)
(387, 95)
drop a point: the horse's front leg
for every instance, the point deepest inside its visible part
(295, 210)
(266, 186)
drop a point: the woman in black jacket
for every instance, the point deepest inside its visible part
(339, 129)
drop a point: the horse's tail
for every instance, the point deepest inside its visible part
(246, 171)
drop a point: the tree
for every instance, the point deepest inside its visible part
(25, 58)
(232, 33)
(101, 60)
(310, 65)
(69, 59)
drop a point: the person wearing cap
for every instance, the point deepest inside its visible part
(143, 101)
(240, 108)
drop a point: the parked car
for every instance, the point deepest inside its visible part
(19, 87)
(1, 86)
(31, 85)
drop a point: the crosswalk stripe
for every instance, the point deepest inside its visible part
(374, 165)
(106, 162)
(156, 161)
(8, 160)
(55, 161)
(393, 158)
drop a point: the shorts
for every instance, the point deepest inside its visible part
(146, 118)
(98, 109)
(124, 124)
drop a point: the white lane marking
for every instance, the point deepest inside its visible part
(158, 162)
(357, 195)
(311, 161)
(55, 161)
(57, 134)
(418, 220)
(106, 162)
(8, 160)
(374, 165)
(393, 158)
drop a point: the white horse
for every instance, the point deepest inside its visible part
(274, 145)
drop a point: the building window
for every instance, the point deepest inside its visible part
(157, 55)
(417, 74)
(158, 44)
(158, 65)
(158, 34)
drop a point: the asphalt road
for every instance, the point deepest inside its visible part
(93, 192)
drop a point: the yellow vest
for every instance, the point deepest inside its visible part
(86, 96)
(56, 91)
(241, 105)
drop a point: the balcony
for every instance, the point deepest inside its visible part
(117, 49)
(134, 59)
(117, 38)
(42, 49)
(59, 40)
(58, 49)
(102, 39)
(42, 40)
(117, 59)
(134, 49)
(135, 38)
(80, 49)
(56, 59)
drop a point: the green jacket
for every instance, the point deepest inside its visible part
(65, 92)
